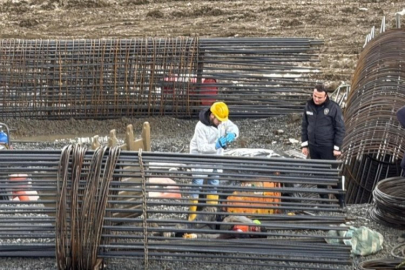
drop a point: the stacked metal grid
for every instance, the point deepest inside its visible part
(374, 142)
(99, 79)
(105, 197)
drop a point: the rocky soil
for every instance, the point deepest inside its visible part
(342, 24)
(168, 134)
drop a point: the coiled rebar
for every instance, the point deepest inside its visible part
(389, 202)
(381, 264)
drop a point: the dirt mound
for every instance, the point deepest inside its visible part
(343, 25)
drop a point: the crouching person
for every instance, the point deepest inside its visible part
(212, 134)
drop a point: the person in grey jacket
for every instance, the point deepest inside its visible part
(212, 134)
(323, 128)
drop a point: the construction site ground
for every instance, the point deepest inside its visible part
(342, 24)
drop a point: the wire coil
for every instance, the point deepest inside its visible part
(379, 264)
(389, 202)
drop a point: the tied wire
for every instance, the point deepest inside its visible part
(81, 213)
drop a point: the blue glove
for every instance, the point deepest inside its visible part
(221, 143)
(230, 137)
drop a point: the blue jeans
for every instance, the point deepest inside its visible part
(198, 182)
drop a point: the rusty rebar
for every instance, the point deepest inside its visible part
(374, 141)
(99, 79)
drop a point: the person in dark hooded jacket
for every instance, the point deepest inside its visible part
(323, 128)
(212, 134)
(401, 119)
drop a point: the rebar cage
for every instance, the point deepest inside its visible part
(111, 78)
(374, 142)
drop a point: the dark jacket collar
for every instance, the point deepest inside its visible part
(204, 117)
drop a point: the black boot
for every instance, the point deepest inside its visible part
(342, 200)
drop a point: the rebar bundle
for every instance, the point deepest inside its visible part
(80, 209)
(374, 140)
(99, 79)
(129, 221)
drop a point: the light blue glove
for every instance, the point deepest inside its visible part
(221, 143)
(230, 137)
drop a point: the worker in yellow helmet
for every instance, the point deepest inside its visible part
(213, 133)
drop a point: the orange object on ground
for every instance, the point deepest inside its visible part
(260, 204)
(246, 228)
(21, 195)
(190, 236)
(173, 190)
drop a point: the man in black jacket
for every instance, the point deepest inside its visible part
(323, 128)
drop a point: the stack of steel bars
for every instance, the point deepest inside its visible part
(143, 211)
(99, 79)
(374, 141)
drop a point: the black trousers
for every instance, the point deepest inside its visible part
(403, 166)
(322, 152)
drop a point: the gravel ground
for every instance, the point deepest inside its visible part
(173, 135)
(168, 134)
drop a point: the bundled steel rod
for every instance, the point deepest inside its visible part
(99, 79)
(135, 205)
(78, 231)
(374, 141)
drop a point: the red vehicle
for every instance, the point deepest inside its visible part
(205, 96)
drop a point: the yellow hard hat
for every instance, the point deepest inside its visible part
(220, 110)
